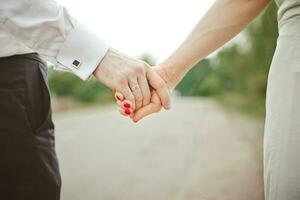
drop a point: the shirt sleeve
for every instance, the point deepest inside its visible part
(48, 29)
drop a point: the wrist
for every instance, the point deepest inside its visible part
(173, 73)
(107, 61)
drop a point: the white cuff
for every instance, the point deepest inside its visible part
(82, 52)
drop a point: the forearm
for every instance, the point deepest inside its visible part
(224, 20)
(45, 27)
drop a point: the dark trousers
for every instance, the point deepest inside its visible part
(28, 163)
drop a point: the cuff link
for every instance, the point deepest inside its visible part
(76, 64)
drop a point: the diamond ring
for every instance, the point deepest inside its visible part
(136, 87)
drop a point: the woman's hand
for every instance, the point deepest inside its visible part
(126, 110)
(209, 34)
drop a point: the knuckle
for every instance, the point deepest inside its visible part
(122, 79)
(139, 69)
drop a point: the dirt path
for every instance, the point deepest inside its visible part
(197, 151)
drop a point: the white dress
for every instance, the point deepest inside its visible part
(282, 128)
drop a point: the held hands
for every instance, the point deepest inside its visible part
(155, 104)
(128, 76)
(141, 90)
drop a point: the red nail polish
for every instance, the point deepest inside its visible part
(127, 105)
(118, 97)
(127, 112)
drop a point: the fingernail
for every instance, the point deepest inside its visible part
(127, 112)
(127, 105)
(118, 97)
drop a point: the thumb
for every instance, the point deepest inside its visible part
(153, 107)
(157, 83)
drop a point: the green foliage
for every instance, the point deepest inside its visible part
(65, 84)
(238, 74)
(201, 80)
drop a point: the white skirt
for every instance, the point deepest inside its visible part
(282, 128)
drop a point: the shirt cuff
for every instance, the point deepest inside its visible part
(81, 52)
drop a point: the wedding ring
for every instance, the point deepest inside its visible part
(136, 87)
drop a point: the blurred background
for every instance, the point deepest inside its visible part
(209, 146)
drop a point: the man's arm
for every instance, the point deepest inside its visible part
(47, 28)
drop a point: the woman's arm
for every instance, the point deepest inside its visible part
(224, 20)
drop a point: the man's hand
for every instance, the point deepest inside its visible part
(128, 76)
(155, 104)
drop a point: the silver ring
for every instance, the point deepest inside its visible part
(136, 87)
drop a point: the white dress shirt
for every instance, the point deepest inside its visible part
(43, 26)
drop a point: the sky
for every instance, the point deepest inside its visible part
(136, 27)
